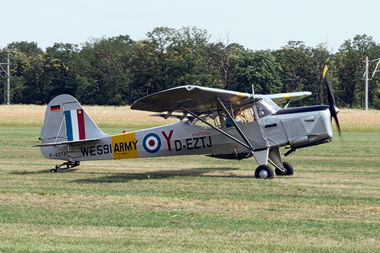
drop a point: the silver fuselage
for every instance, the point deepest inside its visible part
(294, 127)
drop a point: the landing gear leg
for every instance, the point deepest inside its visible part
(289, 171)
(68, 164)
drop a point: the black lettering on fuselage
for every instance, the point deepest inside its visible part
(96, 150)
(135, 144)
(210, 143)
(128, 146)
(84, 151)
(92, 151)
(203, 141)
(107, 149)
(99, 149)
(178, 145)
(189, 144)
(193, 143)
(196, 143)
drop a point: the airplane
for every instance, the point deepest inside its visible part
(206, 126)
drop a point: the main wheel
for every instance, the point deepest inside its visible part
(264, 172)
(288, 170)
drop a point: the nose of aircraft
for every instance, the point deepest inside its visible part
(326, 118)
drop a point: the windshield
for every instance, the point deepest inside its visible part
(264, 108)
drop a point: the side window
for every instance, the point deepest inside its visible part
(240, 116)
(248, 115)
(210, 118)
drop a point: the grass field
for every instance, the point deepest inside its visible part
(189, 203)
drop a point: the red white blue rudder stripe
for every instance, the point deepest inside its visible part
(75, 127)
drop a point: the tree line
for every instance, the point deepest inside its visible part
(119, 70)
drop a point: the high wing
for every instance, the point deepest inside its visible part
(284, 97)
(201, 100)
(197, 99)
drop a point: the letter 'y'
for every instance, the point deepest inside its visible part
(167, 138)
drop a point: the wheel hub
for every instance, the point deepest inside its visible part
(263, 174)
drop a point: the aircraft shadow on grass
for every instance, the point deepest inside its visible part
(151, 175)
(24, 172)
(162, 174)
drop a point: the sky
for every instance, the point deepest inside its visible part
(254, 24)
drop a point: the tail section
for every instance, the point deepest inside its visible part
(66, 122)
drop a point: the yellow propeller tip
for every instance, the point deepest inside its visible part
(325, 69)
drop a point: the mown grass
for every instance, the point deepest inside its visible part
(190, 203)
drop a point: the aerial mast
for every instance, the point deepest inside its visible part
(6, 74)
(366, 78)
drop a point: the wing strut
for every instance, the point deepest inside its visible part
(217, 129)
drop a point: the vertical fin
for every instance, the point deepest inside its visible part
(66, 120)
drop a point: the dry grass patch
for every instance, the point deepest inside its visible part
(123, 116)
(356, 116)
(104, 116)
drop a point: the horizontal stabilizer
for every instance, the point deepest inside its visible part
(66, 143)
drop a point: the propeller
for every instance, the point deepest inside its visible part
(333, 109)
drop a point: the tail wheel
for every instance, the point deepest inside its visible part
(289, 171)
(264, 172)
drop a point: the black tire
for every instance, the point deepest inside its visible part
(53, 170)
(289, 170)
(264, 172)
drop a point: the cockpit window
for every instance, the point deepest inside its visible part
(210, 118)
(220, 120)
(264, 108)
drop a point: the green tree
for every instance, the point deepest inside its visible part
(170, 58)
(260, 69)
(36, 81)
(315, 83)
(19, 63)
(104, 76)
(26, 72)
(350, 67)
(28, 48)
(224, 58)
(62, 65)
(294, 59)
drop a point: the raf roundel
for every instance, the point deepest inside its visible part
(152, 143)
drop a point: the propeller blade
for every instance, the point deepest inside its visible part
(337, 123)
(330, 96)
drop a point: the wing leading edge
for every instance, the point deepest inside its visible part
(201, 100)
(284, 97)
(197, 99)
